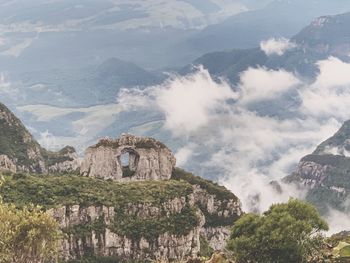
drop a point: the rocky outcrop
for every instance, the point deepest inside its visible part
(129, 158)
(324, 174)
(216, 236)
(311, 173)
(166, 230)
(6, 164)
(64, 161)
(153, 212)
(20, 152)
(104, 239)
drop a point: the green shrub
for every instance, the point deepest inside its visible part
(135, 228)
(51, 191)
(220, 192)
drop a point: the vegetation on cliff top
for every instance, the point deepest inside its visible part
(143, 143)
(211, 187)
(52, 191)
(27, 234)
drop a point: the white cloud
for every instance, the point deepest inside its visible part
(188, 102)
(249, 148)
(329, 95)
(338, 221)
(333, 73)
(261, 84)
(276, 46)
(6, 87)
(183, 155)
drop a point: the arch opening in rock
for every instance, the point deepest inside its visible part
(128, 160)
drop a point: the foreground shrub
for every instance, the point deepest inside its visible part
(285, 233)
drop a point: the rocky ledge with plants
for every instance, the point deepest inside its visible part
(145, 220)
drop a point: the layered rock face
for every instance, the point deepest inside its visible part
(325, 173)
(103, 231)
(129, 158)
(107, 241)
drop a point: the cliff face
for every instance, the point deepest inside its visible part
(98, 229)
(19, 151)
(129, 158)
(110, 241)
(325, 173)
(158, 220)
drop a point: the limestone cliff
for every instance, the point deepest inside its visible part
(158, 220)
(146, 159)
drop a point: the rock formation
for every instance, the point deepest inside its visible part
(129, 158)
(64, 161)
(100, 229)
(19, 151)
(153, 211)
(6, 164)
(324, 174)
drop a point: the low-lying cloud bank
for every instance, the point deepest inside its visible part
(251, 147)
(244, 136)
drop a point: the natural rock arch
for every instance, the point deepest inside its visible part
(147, 159)
(128, 161)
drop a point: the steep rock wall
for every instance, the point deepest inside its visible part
(120, 231)
(148, 159)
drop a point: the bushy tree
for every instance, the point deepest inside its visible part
(287, 232)
(27, 235)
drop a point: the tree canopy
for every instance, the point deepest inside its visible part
(27, 235)
(287, 232)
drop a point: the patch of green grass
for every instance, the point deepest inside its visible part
(205, 249)
(220, 192)
(51, 191)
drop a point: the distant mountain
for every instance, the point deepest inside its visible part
(86, 86)
(325, 36)
(277, 19)
(117, 72)
(326, 172)
(39, 34)
(101, 84)
(229, 63)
